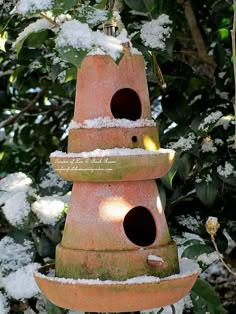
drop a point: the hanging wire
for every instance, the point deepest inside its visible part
(110, 27)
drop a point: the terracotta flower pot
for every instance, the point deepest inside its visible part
(115, 228)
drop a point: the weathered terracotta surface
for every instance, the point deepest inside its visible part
(117, 297)
(115, 265)
(99, 78)
(113, 168)
(95, 243)
(83, 140)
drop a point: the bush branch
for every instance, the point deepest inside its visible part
(234, 63)
(12, 119)
(196, 34)
(220, 257)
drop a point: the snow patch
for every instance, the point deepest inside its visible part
(14, 255)
(115, 152)
(52, 179)
(4, 309)
(48, 209)
(154, 258)
(30, 6)
(21, 285)
(34, 27)
(79, 36)
(107, 122)
(155, 32)
(14, 192)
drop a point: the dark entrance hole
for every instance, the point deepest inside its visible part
(140, 226)
(134, 139)
(125, 104)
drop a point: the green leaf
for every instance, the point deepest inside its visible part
(72, 55)
(36, 39)
(223, 34)
(205, 299)
(207, 191)
(53, 309)
(167, 180)
(194, 250)
(185, 166)
(71, 74)
(141, 5)
(175, 107)
(101, 5)
(60, 6)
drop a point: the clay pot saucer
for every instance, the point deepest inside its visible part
(82, 167)
(135, 294)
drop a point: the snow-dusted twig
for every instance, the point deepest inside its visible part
(54, 23)
(234, 63)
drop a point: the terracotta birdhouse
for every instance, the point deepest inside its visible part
(116, 254)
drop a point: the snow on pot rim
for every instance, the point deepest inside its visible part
(139, 293)
(116, 164)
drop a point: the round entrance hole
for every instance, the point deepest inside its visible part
(139, 226)
(125, 104)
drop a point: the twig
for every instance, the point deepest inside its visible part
(54, 23)
(173, 309)
(196, 34)
(220, 257)
(234, 63)
(27, 108)
(157, 71)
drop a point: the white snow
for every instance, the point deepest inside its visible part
(187, 268)
(52, 179)
(189, 221)
(13, 183)
(155, 32)
(17, 208)
(48, 209)
(226, 170)
(155, 258)
(29, 6)
(4, 309)
(14, 255)
(208, 259)
(107, 122)
(96, 17)
(79, 36)
(183, 143)
(14, 192)
(208, 146)
(21, 285)
(34, 27)
(210, 119)
(179, 307)
(75, 34)
(115, 152)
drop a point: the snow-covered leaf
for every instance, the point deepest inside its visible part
(60, 6)
(73, 55)
(21, 285)
(37, 28)
(15, 252)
